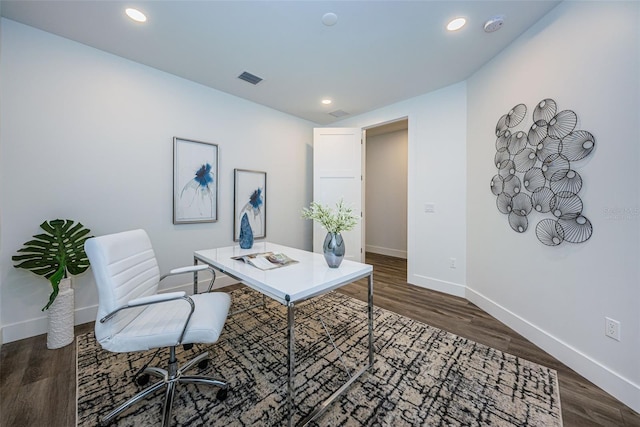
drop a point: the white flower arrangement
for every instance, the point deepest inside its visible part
(343, 219)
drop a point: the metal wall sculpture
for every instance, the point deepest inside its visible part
(536, 172)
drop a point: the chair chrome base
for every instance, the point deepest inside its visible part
(169, 378)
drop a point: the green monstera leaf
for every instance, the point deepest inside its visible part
(55, 254)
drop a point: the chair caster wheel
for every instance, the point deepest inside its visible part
(203, 363)
(222, 394)
(187, 346)
(142, 380)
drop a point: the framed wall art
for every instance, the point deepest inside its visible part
(250, 198)
(195, 181)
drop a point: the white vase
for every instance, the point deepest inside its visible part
(60, 313)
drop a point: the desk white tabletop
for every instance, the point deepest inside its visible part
(308, 277)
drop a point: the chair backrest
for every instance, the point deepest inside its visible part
(124, 267)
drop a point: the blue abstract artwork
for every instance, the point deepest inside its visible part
(204, 176)
(250, 202)
(201, 186)
(195, 181)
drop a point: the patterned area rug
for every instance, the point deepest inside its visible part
(422, 376)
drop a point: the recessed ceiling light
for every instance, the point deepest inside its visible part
(456, 24)
(329, 19)
(326, 101)
(136, 15)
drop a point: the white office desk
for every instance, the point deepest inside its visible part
(291, 284)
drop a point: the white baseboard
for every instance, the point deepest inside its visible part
(618, 386)
(38, 326)
(386, 251)
(437, 285)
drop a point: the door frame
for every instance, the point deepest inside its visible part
(390, 123)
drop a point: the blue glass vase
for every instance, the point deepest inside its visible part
(246, 234)
(333, 249)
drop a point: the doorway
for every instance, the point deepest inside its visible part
(386, 174)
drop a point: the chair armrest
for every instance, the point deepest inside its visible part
(151, 299)
(187, 269)
(193, 269)
(155, 299)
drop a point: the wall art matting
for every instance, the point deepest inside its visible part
(195, 181)
(250, 199)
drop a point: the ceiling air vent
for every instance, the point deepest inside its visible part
(339, 113)
(248, 77)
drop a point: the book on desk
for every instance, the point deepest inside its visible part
(266, 260)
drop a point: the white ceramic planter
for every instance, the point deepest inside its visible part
(60, 331)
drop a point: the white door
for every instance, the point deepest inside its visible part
(337, 174)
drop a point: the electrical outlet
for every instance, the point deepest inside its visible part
(452, 263)
(612, 328)
(429, 208)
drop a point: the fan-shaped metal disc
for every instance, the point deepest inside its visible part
(566, 205)
(515, 116)
(497, 185)
(501, 126)
(517, 142)
(507, 168)
(544, 111)
(501, 156)
(562, 124)
(576, 230)
(521, 204)
(534, 179)
(578, 145)
(525, 160)
(549, 233)
(553, 164)
(518, 223)
(503, 203)
(511, 185)
(502, 141)
(566, 180)
(537, 132)
(541, 199)
(547, 147)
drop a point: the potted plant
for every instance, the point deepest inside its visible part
(56, 254)
(335, 222)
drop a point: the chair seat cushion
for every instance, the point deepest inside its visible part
(160, 325)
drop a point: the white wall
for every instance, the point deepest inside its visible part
(386, 194)
(436, 175)
(584, 55)
(88, 136)
(1, 335)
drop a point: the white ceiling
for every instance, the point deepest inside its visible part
(378, 53)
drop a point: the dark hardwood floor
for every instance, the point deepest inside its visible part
(37, 385)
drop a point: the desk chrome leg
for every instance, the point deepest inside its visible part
(195, 277)
(291, 362)
(370, 319)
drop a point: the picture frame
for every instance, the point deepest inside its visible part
(250, 197)
(195, 181)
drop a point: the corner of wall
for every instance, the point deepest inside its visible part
(610, 381)
(438, 285)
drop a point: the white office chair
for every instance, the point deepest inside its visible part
(132, 316)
